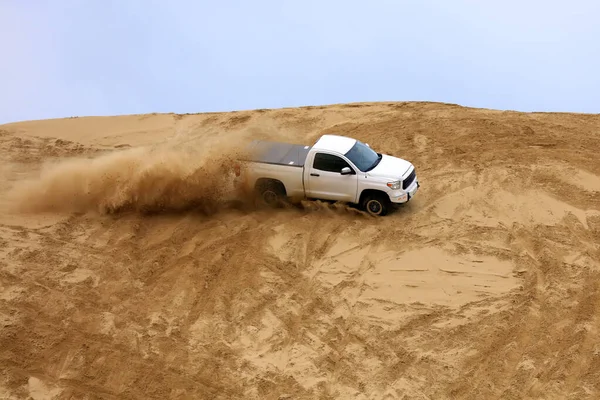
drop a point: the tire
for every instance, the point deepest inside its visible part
(271, 194)
(376, 204)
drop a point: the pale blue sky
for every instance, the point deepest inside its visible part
(64, 58)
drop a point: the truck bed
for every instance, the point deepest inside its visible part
(278, 153)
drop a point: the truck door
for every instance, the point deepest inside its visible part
(325, 179)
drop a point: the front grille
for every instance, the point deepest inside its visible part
(409, 179)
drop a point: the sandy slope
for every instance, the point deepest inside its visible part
(486, 286)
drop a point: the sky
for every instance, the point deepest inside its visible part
(63, 58)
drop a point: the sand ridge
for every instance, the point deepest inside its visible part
(486, 286)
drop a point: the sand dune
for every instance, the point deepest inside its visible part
(486, 286)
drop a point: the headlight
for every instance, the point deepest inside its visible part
(394, 185)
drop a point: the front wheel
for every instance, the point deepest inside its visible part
(376, 204)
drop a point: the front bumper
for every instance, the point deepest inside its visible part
(401, 196)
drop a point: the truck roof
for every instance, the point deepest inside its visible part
(340, 144)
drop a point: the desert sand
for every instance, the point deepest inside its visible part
(125, 272)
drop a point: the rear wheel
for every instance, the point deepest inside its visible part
(376, 204)
(271, 193)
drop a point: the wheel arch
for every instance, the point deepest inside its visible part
(367, 192)
(262, 183)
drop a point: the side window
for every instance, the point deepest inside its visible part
(328, 162)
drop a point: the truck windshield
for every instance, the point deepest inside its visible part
(363, 156)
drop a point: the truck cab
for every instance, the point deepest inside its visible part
(345, 169)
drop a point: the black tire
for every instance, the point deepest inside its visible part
(376, 204)
(271, 193)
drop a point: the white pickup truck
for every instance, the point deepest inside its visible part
(335, 168)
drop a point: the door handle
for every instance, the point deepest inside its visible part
(315, 175)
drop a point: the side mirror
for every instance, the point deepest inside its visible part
(346, 171)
